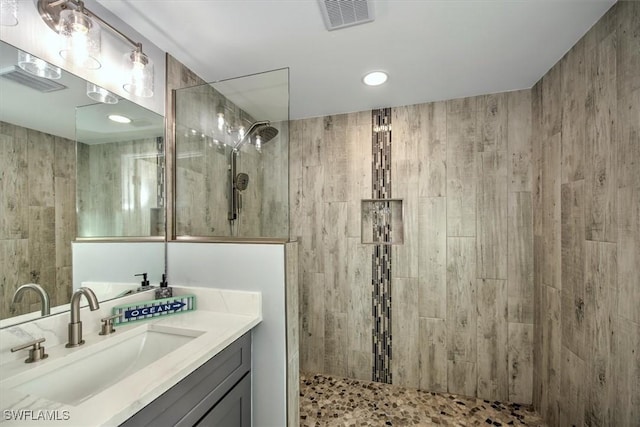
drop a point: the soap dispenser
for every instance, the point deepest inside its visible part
(144, 285)
(164, 291)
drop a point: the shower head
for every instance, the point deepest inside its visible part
(262, 132)
(242, 181)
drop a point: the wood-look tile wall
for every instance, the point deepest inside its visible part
(178, 76)
(586, 156)
(201, 198)
(293, 334)
(462, 282)
(118, 189)
(37, 215)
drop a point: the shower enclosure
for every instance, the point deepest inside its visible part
(232, 145)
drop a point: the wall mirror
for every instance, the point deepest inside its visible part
(232, 147)
(68, 174)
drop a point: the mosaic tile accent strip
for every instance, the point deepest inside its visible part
(332, 401)
(381, 150)
(381, 258)
(160, 168)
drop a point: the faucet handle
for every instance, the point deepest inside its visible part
(107, 324)
(35, 353)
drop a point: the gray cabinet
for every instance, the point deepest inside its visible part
(218, 393)
(233, 410)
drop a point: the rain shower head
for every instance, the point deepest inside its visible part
(258, 134)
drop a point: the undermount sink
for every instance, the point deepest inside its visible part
(103, 367)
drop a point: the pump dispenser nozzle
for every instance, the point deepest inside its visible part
(144, 285)
(164, 291)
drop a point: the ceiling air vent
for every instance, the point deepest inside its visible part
(18, 75)
(345, 13)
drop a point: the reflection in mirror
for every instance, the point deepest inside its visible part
(232, 142)
(38, 169)
(120, 171)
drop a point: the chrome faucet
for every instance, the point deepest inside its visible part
(45, 307)
(75, 326)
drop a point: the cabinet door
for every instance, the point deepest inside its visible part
(189, 400)
(234, 410)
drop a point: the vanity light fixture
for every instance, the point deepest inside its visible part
(38, 67)
(8, 13)
(80, 30)
(100, 94)
(375, 78)
(119, 119)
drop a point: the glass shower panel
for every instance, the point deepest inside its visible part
(232, 146)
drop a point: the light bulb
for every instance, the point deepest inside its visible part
(119, 118)
(81, 39)
(375, 78)
(220, 121)
(137, 73)
(80, 44)
(258, 143)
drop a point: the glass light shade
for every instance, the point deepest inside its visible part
(138, 74)
(8, 13)
(80, 39)
(38, 67)
(100, 94)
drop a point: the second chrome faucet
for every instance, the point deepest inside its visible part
(75, 325)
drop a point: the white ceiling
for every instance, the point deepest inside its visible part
(432, 49)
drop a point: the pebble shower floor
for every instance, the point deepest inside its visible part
(333, 401)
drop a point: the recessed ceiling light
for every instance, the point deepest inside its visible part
(375, 78)
(119, 119)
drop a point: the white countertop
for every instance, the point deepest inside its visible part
(221, 317)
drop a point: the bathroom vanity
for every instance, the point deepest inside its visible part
(180, 369)
(218, 393)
